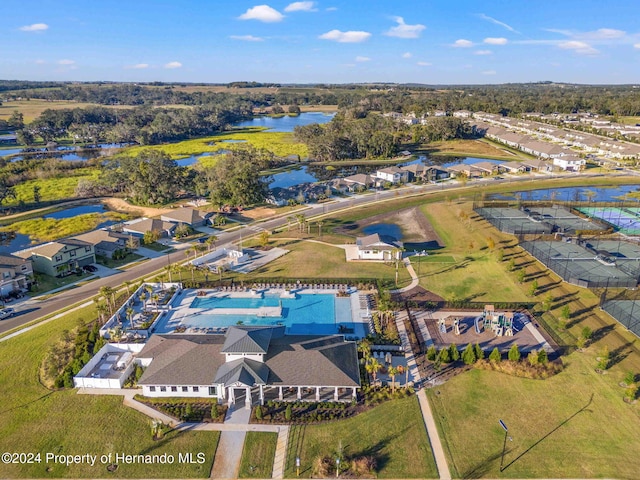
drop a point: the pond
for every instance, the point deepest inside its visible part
(185, 162)
(75, 211)
(13, 242)
(292, 177)
(388, 229)
(579, 194)
(287, 123)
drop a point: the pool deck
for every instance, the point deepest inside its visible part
(181, 308)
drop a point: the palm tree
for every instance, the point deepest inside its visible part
(373, 367)
(130, 311)
(127, 285)
(364, 347)
(149, 289)
(108, 294)
(101, 308)
(290, 219)
(221, 270)
(192, 268)
(143, 297)
(301, 219)
(393, 371)
(155, 297)
(211, 241)
(320, 223)
(169, 270)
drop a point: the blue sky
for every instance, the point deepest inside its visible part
(428, 41)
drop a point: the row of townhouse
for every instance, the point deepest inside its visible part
(393, 175)
(601, 125)
(412, 119)
(65, 256)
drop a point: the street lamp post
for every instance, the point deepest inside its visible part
(337, 467)
(297, 466)
(504, 445)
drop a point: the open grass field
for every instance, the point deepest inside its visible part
(31, 109)
(280, 143)
(557, 431)
(470, 148)
(34, 419)
(393, 433)
(629, 120)
(55, 188)
(476, 275)
(47, 229)
(258, 454)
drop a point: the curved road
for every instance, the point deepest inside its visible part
(33, 310)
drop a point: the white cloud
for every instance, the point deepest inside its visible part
(637, 45)
(462, 43)
(423, 64)
(362, 59)
(577, 46)
(331, 9)
(606, 33)
(246, 38)
(35, 27)
(402, 30)
(263, 13)
(483, 52)
(172, 65)
(496, 41)
(406, 55)
(301, 7)
(66, 62)
(489, 72)
(345, 37)
(497, 22)
(138, 66)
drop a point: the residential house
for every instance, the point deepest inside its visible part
(105, 242)
(378, 247)
(393, 175)
(61, 257)
(186, 215)
(544, 150)
(462, 114)
(570, 163)
(487, 168)
(537, 165)
(469, 171)
(143, 225)
(250, 364)
(359, 180)
(15, 273)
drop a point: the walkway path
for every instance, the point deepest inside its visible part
(434, 439)
(414, 278)
(280, 460)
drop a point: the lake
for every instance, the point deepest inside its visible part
(389, 229)
(292, 177)
(287, 123)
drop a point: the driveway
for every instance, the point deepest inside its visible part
(104, 271)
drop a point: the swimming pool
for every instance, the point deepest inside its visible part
(306, 314)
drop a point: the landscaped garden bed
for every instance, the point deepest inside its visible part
(202, 410)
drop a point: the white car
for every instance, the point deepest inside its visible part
(6, 313)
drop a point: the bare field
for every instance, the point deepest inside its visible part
(31, 109)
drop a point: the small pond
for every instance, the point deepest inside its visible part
(75, 211)
(292, 177)
(185, 162)
(388, 229)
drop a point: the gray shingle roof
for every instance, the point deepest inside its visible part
(247, 340)
(244, 370)
(378, 241)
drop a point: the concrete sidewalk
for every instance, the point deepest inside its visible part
(434, 439)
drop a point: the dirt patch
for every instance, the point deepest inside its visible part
(417, 294)
(120, 205)
(418, 233)
(258, 213)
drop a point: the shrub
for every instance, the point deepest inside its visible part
(479, 352)
(630, 393)
(495, 355)
(469, 355)
(543, 358)
(288, 413)
(444, 356)
(629, 378)
(514, 353)
(532, 358)
(431, 353)
(587, 333)
(454, 353)
(215, 411)
(363, 466)
(258, 412)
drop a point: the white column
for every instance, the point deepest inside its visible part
(317, 394)
(232, 397)
(299, 394)
(355, 392)
(280, 393)
(335, 395)
(248, 400)
(261, 394)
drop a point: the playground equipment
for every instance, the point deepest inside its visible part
(479, 324)
(456, 326)
(442, 325)
(500, 323)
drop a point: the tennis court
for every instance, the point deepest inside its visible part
(626, 220)
(627, 312)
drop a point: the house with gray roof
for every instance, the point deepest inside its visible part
(141, 226)
(106, 242)
(15, 273)
(186, 215)
(250, 364)
(378, 247)
(59, 258)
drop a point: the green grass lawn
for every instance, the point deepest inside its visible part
(554, 435)
(47, 283)
(34, 419)
(281, 144)
(393, 433)
(109, 262)
(258, 454)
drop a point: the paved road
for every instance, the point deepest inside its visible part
(33, 310)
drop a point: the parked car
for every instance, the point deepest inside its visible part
(90, 268)
(6, 313)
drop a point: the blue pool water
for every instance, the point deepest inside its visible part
(307, 314)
